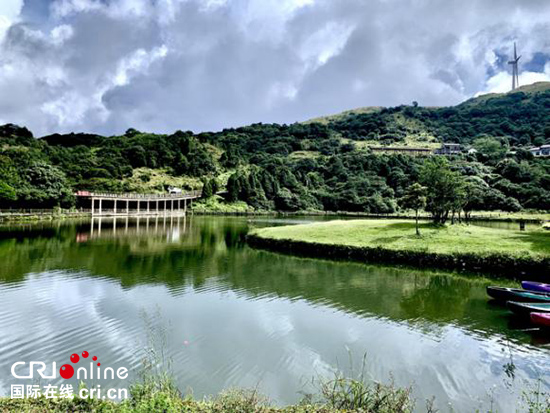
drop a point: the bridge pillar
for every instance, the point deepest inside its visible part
(171, 204)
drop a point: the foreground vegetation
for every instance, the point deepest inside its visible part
(324, 165)
(170, 400)
(159, 394)
(395, 241)
(337, 395)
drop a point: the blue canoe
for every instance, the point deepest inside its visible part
(524, 310)
(535, 286)
(513, 294)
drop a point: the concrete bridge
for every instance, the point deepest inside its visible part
(108, 204)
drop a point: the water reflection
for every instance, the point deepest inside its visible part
(252, 317)
(169, 227)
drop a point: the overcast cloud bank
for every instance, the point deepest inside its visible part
(104, 65)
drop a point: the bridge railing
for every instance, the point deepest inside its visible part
(43, 211)
(191, 194)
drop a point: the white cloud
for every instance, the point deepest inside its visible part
(207, 64)
(325, 43)
(61, 34)
(137, 63)
(64, 8)
(74, 106)
(10, 9)
(117, 9)
(9, 14)
(502, 81)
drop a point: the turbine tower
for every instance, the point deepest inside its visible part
(515, 69)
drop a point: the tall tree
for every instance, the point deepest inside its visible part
(207, 189)
(444, 188)
(415, 198)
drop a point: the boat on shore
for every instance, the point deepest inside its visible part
(514, 294)
(535, 286)
(541, 319)
(524, 310)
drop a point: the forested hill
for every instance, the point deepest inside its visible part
(324, 164)
(522, 117)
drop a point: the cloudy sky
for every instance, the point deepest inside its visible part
(161, 65)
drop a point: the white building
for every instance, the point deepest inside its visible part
(543, 150)
(175, 191)
(449, 149)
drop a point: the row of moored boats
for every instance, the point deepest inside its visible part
(532, 302)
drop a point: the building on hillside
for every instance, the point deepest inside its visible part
(446, 149)
(449, 149)
(402, 150)
(174, 190)
(539, 151)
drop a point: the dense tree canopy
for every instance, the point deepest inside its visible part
(325, 165)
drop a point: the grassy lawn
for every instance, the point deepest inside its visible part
(400, 235)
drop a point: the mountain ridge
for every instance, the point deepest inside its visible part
(328, 166)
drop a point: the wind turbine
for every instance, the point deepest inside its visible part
(515, 68)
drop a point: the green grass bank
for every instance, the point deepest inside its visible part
(337, 395)
(159, 394)
(456, 247)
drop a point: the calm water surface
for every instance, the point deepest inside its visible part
(226, 315)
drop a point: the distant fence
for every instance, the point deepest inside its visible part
(30, 211)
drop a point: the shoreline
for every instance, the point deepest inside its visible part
(301, 240)
(50, 215)
(495, 265)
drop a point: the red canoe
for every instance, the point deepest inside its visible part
(541, 319)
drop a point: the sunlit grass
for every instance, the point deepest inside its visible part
(400, 235)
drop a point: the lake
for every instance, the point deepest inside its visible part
(221, 314)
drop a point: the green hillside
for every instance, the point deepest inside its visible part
(532, 90)
(520, 118)
(324, 164)
(339, 116)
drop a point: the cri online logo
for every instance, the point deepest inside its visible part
(67, 370)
